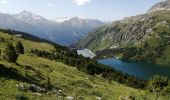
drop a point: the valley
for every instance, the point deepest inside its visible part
(59, 80)
(83, 58)
(39, 75)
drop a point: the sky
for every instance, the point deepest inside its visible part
(107, 10)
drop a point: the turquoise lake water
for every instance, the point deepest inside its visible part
(141, 70)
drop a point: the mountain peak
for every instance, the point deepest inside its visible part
(29, 17)
(25, 12)
(163, 5)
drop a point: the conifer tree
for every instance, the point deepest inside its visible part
(19, 48)
(10, 53)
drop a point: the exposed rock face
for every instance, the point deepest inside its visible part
(132, 30)
(164, 5)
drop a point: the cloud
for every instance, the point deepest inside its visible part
(81, 2)
(118, 15)
(50, 5)
(3, 1)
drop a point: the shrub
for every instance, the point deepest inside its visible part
(21, 97)
(157, 83)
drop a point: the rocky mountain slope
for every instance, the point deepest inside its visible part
(151, 28)
(129, 30)
(65, 33)
(164, 5)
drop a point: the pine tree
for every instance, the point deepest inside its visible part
(10, 53)
(19, 48)
(91, 69)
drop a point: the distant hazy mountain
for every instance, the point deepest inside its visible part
(30, 18)
(64, 31)
(7, 21)
(75, 28)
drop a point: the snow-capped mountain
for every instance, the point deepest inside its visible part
(7, 21)
(29, 17)
(80, 26)
(77, 21)
(64, 30)
(60, 19)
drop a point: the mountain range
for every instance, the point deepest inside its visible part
(64, 32)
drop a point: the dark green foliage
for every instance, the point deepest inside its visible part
(48, 84)
(19, 48)
(91, 69)
(146, 45)
(12, 73)
(157, 83)
(21, 97)
(146, 53)
(2, 40)
(10, 53)
(96, 93)
(166, 90)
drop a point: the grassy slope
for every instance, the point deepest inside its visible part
(71, 81)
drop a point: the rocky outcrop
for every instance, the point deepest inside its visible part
(163, 5)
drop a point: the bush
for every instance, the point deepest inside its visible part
(157, 83)
(21, 97)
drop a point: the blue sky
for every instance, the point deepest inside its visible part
(96, 9)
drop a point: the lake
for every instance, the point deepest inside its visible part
(141, 70)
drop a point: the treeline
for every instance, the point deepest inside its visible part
(145, 53)
(92, 67)
(24, 35)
